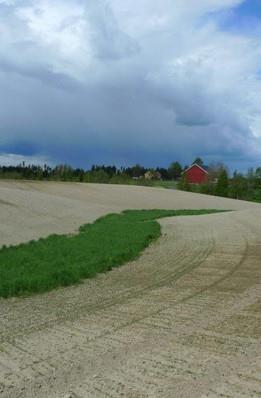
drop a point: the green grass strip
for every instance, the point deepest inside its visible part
(61, 260)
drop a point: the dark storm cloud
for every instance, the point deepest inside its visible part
(127, 82)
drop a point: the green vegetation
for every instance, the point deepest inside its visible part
(174, 171)
(239, 186)
(134, 175)
(168, 184)
(222, 184)
(110, 241)
(183, 184)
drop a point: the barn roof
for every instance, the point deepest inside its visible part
(203, 168)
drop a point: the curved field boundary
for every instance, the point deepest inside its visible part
(111, 241)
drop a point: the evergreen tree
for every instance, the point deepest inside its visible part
(222, 184)
(239, 186)
(174, 170)
(198, 161)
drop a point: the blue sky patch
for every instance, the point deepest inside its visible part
(246, 18)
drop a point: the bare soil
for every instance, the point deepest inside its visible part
(184, 320)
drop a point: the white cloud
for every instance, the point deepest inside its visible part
(127, 73)
(57, 35)
(11, 159)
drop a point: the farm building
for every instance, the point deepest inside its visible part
(196, 174)
(152, 175)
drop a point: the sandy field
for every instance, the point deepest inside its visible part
(184, 320)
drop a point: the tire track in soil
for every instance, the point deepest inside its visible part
(228, 275)
(182, 265)
(16, 351)
(73, 350)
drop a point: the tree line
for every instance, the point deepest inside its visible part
(97, 173)
(245, 186)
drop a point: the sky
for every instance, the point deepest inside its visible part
(133, 81)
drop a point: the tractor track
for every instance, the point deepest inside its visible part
(183, 320)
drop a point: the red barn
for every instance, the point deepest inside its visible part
(196, 174)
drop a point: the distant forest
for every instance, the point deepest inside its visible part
(99, 174)
(245, 186)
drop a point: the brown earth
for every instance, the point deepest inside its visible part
(184, 320)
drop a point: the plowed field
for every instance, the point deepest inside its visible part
(184, 320)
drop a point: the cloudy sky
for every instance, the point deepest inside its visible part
(127, 81)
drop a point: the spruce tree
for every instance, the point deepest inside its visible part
(222, 184)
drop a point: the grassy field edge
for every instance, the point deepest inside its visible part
(63, 260)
